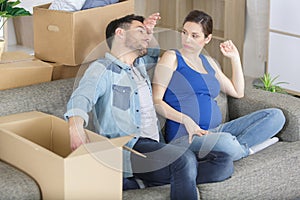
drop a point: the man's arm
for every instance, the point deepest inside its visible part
(77, 133)
(91, 87)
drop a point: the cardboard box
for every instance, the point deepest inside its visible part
(38, 144)
(71, 37)
(20, 69)
(61, 71)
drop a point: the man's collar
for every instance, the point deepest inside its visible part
(116, 60)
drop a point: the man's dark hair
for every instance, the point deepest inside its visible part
(123, 22)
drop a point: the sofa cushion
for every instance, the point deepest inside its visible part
(15, 184)
(49, 97)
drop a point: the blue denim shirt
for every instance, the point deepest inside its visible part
(108, 89)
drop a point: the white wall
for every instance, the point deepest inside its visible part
(256, 37)
(284, 43)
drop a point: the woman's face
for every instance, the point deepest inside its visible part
(192, 37)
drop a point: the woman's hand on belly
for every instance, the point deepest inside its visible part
(192, 128)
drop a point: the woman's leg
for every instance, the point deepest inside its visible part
(219, 141)
(256, 127)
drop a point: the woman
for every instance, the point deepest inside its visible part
(184, 87)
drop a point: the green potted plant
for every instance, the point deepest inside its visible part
(268, 83)
(9, 9)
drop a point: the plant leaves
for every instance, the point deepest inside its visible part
(269, 84)
(8, 9)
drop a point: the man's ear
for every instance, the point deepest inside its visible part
(208, 38)
(119, 32)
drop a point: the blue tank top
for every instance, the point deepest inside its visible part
(193, 94)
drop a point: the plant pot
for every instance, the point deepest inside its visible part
(2, 46)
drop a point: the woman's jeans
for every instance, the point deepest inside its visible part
(178, 166)
(237, 136)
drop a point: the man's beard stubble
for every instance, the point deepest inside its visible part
(132, 44)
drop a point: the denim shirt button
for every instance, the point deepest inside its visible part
(138, 127)
(137, 110)
(135, 93)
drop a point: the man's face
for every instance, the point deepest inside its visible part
(137, 37)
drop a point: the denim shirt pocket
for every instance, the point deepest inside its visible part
(121, 97)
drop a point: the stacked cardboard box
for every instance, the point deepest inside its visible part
(21, 69)
(73, 38)
(61, 71)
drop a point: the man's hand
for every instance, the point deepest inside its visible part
(77, 133)
(150, 22)
(192, 128)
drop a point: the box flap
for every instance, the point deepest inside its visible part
(100, 144)
(121, 141)
(15, 56)
(20, 116)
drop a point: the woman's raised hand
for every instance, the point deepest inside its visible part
(151, 21)
(229, 49)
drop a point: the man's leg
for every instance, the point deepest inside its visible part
(166, 164)
(215, 166)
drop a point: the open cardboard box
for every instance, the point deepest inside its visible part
(73, 38)
(38, 144)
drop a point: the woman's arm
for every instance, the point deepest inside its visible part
(151, 58)
(162, 76)
(234, 86)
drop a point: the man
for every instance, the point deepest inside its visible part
(118, 90)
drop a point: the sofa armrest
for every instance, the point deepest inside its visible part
(256, 99)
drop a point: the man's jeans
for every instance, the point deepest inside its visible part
(237, 136)
(178, 166)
